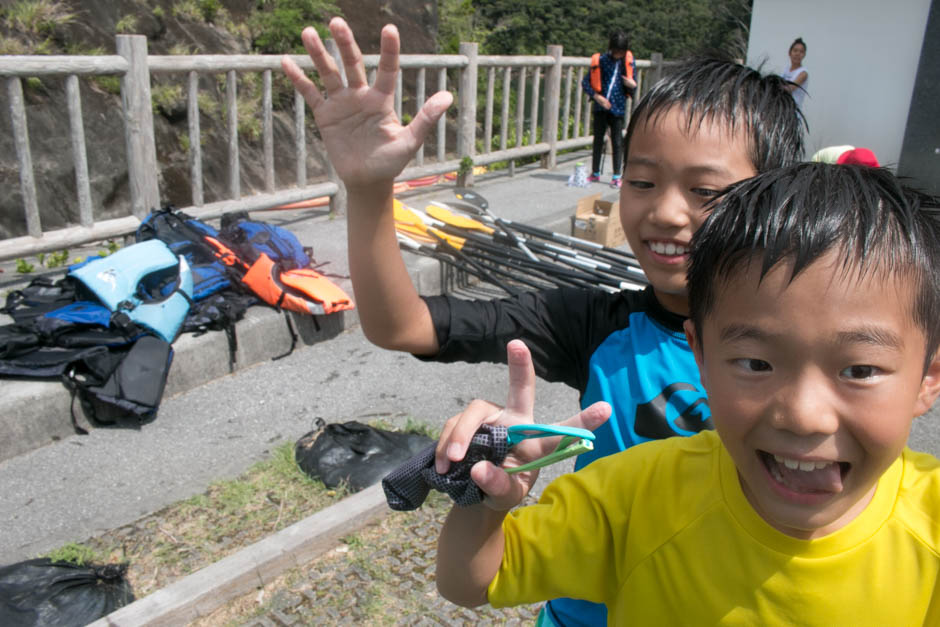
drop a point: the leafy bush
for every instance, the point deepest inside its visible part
(209, 9)
(127, 24)
(167, 99)
(276, 25)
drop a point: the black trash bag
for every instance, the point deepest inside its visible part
(353, 453)
(60, 594)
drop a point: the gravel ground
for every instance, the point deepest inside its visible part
(383, 575)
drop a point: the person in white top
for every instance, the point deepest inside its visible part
(797, 74)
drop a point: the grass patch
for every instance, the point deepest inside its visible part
(12, 45)
(108, 83)
(37, 18)
(231, 514)
(76, 554)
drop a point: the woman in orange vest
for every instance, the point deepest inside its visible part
(608, 83)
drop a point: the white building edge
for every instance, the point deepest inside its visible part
(862, 58)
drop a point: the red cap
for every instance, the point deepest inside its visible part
(859, 156)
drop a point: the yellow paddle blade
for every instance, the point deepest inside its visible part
(415, 232)
(405, 215)
(451, 218)
(453, 240)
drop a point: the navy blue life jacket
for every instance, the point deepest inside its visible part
(251, 239)
(184, 235)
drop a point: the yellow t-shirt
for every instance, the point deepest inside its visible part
(663, 534)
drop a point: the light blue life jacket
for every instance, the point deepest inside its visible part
(117, 281)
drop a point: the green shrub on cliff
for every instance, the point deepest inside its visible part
(276, 24)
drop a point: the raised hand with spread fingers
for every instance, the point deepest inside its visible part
(369, 147)
(364, 138)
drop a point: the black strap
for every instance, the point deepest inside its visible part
(293, 338)
(71, 384)
(232, 343)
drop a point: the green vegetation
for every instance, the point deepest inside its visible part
(166, 98)
(107, 83)
(24, 267)
(465, 167)
(127, 24)
(77, 48)
(12, 45)
(276, 25)
(181, 49)
(194, 533)
(209, 9)
(110, 248)
(199, 10)
(457, 21)
(37, 18)
(76, 554)
(676, 28)
(57, 259)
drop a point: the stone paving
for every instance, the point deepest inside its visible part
(382, 576)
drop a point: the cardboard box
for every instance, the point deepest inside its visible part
(598, 220)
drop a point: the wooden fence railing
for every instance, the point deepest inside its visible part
(564, 109)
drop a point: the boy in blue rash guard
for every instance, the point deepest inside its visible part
(709, 124)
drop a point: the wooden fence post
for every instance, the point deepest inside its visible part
(142, 168)
(467, 111)
(656, 60)
(24, 156)
(550, 111)
(339, 199)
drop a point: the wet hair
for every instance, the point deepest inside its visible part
(798, 40)
(714, 89)
(798, 214)
(618, 41)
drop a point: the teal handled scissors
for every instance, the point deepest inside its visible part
(574, 441)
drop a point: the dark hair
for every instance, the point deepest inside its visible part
(800, 213)
(798, 40)
(722, 90)
(618, 41)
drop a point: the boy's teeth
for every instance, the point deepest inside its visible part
(794, 464)
(668, 248)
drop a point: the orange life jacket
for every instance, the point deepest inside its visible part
(303, 290)
(596, 69)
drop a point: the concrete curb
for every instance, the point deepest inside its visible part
(202, 592)
(37, 412)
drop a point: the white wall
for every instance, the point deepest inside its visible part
(861, 58)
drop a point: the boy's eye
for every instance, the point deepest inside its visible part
(640, 184)
(859, 372)
(753, 365)
(704, 192)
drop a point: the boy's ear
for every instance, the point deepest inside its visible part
(929, 387)
(695, 343)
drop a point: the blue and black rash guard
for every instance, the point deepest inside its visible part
(623, 348)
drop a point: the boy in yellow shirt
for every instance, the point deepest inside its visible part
(814, 297)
